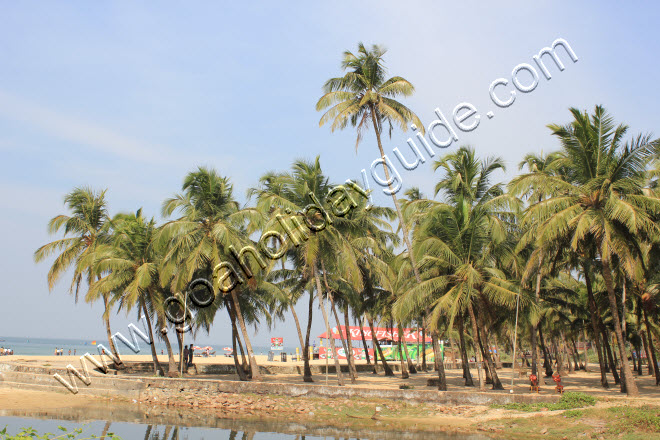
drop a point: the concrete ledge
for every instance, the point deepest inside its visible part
(172, 387)
(141, 387)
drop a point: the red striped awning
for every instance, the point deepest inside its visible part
(409, 335)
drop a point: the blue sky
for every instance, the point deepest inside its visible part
(122, 96)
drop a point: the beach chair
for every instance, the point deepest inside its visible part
(533, 383)
(557, 378)
(212, 353)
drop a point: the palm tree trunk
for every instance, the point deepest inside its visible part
(608, 350)
(653, 359)
(307, 371)
(631, 386)
(254, 367)
(559, 355)
(234, 335)
(419, 352)
(364, 344)
(402, 224)
(439, 362)
(464, 357)
(352, 372)
(586, 350)
(295, 319)
(239, 368)
(532, 340)
(179, 340)
(424, 366)
(564, 351)
(351, 369)
(106, 320)
(497, 385)
(576, 355)
(404, 370)
(244, 361)
(157, 367)
(171, 365)
(594, 325)
(537, 293)
(475, 339)
(411, 367)
(347, 324)
(547, 362)
(319, 292)
(161, 323)
(638, 350)
(377, 349)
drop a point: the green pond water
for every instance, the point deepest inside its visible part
(149, 423)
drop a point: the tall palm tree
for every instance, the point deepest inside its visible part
(130, 267)
(211, 220)
(83, 230)
(363, 97)
(534, 164)
(601, 203)
(284, 194)
(459, 242)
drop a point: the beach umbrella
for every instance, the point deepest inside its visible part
(228, 349)
(207, 348)
(197, 348)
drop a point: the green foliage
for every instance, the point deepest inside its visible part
(572, 400)
(568, 401)
(31, 433)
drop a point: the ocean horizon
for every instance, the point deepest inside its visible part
(46, 346)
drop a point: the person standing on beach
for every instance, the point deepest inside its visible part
(185, 355)
(190, 355)
(69, 352)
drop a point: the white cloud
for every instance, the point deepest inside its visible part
(83, 132)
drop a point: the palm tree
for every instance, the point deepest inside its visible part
(130, 267)
(459, 242)
(600, 203)
(364, 98)
(85, 229)
(287, 193)
(211, 221)
(535, 164)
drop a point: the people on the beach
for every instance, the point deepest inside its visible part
(190, 355)
(185, 354)
(6, 351)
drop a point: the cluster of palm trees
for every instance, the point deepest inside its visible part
(568, 250)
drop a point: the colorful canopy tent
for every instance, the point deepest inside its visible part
(411, 336)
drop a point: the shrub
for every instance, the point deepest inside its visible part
(568, 400)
